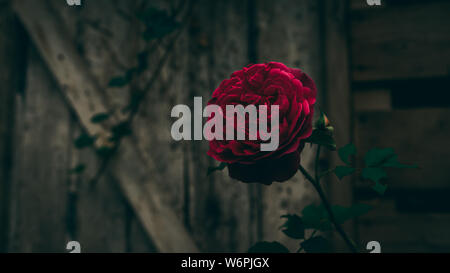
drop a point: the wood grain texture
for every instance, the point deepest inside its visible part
(416, 142)
(401, 41)
(136, 174)
(339, 96)
(219, 208)
(100, 213)
(372, 100)
(288, 34)
(100, 205)
(404, 232)
(39, 184)
(12, 46)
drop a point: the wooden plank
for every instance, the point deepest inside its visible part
(338, 95)
(101, 204)
(138, 177)
(417, 136)
(372, 100)
(39, 187)
(218, 207)
(288, 33)
(103, 38)
(152, 125)
(402, 232)
(384, 47)
(12, 47)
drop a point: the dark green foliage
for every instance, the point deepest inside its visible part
(120, 81)
(315, 217)
(84, 141)
(345, 153)
(268, 247)
(121, 130)
(379, 188)
(142, 62)
(374, 174)
(99, 118)
(323, 138)
(105, 151)
(293, 227)
(343, 171)
(158, 23)
(316, 244)
(377, 159)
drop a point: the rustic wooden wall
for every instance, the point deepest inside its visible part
(12, 39)
(400, 76)
(49, 207)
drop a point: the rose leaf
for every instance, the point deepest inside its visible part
(293, 227)
(374, 174)
(315, 217)
(379, 188)
(376, 157)
(316, 244)
(347, 151)
(343, 171)
(392, 162)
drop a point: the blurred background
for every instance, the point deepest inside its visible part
(70, 75)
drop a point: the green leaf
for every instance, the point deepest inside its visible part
(121, 130)
(119, 81)
(105, 151)
(316, 244)
(293, 227)
(315, 217)
(322, 137)
(347, 151)
(374, 174)
(376, 157)
(343, 171)
(80, 168)
(221, 167)
(98, 118)
(392, 162)
(158, 23)
(379, 188)
(268, 247)
(84, 141)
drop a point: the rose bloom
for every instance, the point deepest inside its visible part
(266, 84)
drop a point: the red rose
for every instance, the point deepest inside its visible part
(266, 84)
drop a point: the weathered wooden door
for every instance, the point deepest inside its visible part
(154, 195)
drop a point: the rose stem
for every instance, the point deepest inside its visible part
(316, 183)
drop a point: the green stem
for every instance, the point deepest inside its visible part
(316, 183)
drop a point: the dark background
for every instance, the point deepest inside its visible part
(383, 74)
